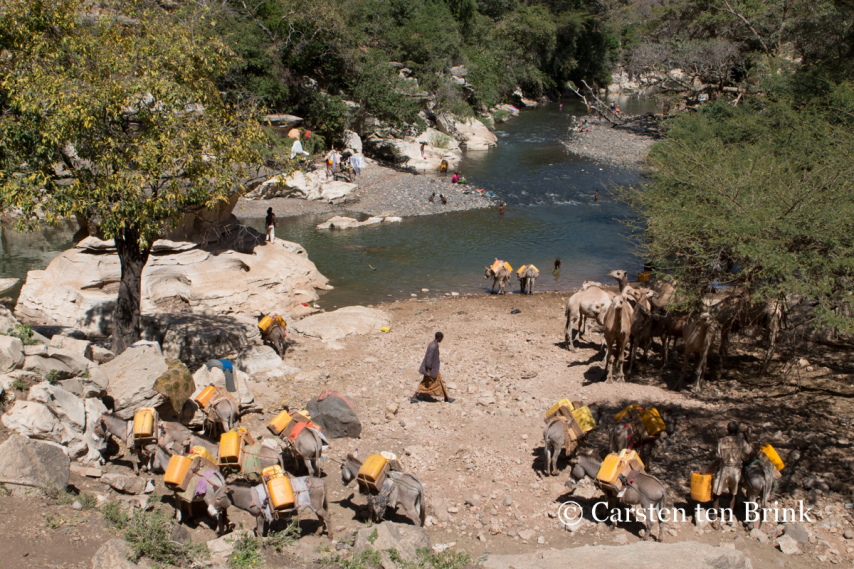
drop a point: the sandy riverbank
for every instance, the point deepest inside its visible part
(381, 191)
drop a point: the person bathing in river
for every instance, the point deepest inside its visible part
(501, 208)
(455, 178)
(556, 268)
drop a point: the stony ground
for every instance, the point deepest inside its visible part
(624, 145)
(479, 457)
(381, 191)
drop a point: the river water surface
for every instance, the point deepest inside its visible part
(551, 213)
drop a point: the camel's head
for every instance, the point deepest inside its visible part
(619, 274)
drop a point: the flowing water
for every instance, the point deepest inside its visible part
(551, 213)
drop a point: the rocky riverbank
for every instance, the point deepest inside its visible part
(381, 191)
(624, 145)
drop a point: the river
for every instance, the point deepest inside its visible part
(551, 213)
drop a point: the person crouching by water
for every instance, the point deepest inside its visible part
(431, 381)
(455, 178)
(270, 224)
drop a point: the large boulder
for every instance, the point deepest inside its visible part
(81, 347)
(11, 353)
(34, 461)
(353, 141)
(404, 538)
(336, 325)
(132, 376)
(333, 191)
(197, 338)
(343, 222)
(640, 555)
(56, 415)
(474, 135)
(79, 287)
(116, 554)
(335, 415)
(299, 184)
(260, 362)
(63, 362)
(215, 376)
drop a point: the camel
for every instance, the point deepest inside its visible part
(588, 302)
(527, 278)
(500, 277)
(405, 490)
(617, 323)
(246, 498)
(698, 335)
(643, 325)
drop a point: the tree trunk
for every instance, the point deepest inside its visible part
(132, 257)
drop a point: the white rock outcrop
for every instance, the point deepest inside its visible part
(475, 135)
(330, 327)
(343, 222)
(79, 287)
(132, 375)
(11, 353)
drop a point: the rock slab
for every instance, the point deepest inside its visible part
(640, 555)
(35, 461)
(405, 539)
(115, 555)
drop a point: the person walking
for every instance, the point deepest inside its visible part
(431, 381)
(270, 223)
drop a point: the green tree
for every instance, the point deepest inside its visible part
(760, 196)
(115, 117)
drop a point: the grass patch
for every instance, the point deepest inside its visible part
(440, 140)
(52, 377)
(487, 122)
(247, 553)
(19, 384)
(114, 515)
(59, 495)
(88, 501)
(24, 333)
(149, 534)
(54, 521)
(425, 559)
(283, 539)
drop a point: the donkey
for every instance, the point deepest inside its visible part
(213, 481)
(527, 279)
(248, 499)
(757, 479)
(644, 490)
(110, 425)
(220, 416)
(405, 490)
(554, 441)
(500, 277)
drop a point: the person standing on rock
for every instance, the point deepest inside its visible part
(431, 384)
(270, 224)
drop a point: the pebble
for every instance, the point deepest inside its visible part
(508, 501)
(472, 501)
(77, 506)
(848, 534)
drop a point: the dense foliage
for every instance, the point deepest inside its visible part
(115, 117)
(309, 56)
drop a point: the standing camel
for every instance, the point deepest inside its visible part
(617, 322)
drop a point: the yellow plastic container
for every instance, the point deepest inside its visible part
(201, 451)
(521, 270)
(584, 418)
(611, 468)
(701, 487)
(269, 320)
(143, 423)
(177, 470)
(205, 396)
(652, 422)
(773, 456)
(230, 447)
(272, 472)
(562, 403)
(279, 423)
(281, 492)
(385, 329)
(632, 459)
(373, 472)
(619, 416)
(497, 264)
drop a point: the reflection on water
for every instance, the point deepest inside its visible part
(22, 252)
